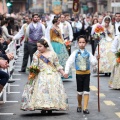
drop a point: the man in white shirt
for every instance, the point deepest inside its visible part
(77, 25)
(66, 30)
(34, 32)
(117, 23)
(22, 31)
(20, 34)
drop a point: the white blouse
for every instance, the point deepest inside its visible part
(115, 44)
(5, 33)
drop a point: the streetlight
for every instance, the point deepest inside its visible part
(9, 3)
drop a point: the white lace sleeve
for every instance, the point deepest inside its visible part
(114, 45)
(35, 60)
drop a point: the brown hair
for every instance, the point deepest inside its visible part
(55, 20)
(94, 20)
(35, 14)
(66, 14)
(43, 42)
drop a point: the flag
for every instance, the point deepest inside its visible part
(75, 6)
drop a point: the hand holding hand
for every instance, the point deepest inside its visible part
(65, 75)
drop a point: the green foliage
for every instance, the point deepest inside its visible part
(117, 54)
(33, 69)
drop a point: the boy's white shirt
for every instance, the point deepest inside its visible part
(71, 60)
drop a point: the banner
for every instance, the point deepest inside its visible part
(76, 6)
(56, 6)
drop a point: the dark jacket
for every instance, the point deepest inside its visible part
(2, 53)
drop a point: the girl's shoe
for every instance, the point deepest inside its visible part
(79, 109)
(86, 111)
(43, 111)
(49, 111)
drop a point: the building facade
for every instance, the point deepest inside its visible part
(18, 5)
(47, 6)
(3, 7)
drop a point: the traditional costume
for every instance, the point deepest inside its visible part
(59, 47)
(67, 32)
(115, 74)
(46, 91)
(82, 60)
(106, 56)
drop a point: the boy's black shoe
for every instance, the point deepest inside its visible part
(86, 111)
(79, 109)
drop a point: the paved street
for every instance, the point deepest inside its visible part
(109, 100)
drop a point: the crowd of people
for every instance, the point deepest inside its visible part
(45, 42)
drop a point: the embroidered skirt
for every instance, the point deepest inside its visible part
(62, 54)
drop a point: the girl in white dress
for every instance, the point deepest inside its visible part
(46, 92)
(115, 74)
(106, 56)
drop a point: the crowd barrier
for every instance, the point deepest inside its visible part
(6, 90)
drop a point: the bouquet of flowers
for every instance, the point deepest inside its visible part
(68, 44)
(117, 54)
(99, 31)
(33, 72)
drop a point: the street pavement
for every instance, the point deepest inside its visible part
(109, 100)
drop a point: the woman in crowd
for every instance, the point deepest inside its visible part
(58, 43)
(115, 74)
(106, 56)
(95, 21)
(5, 33)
